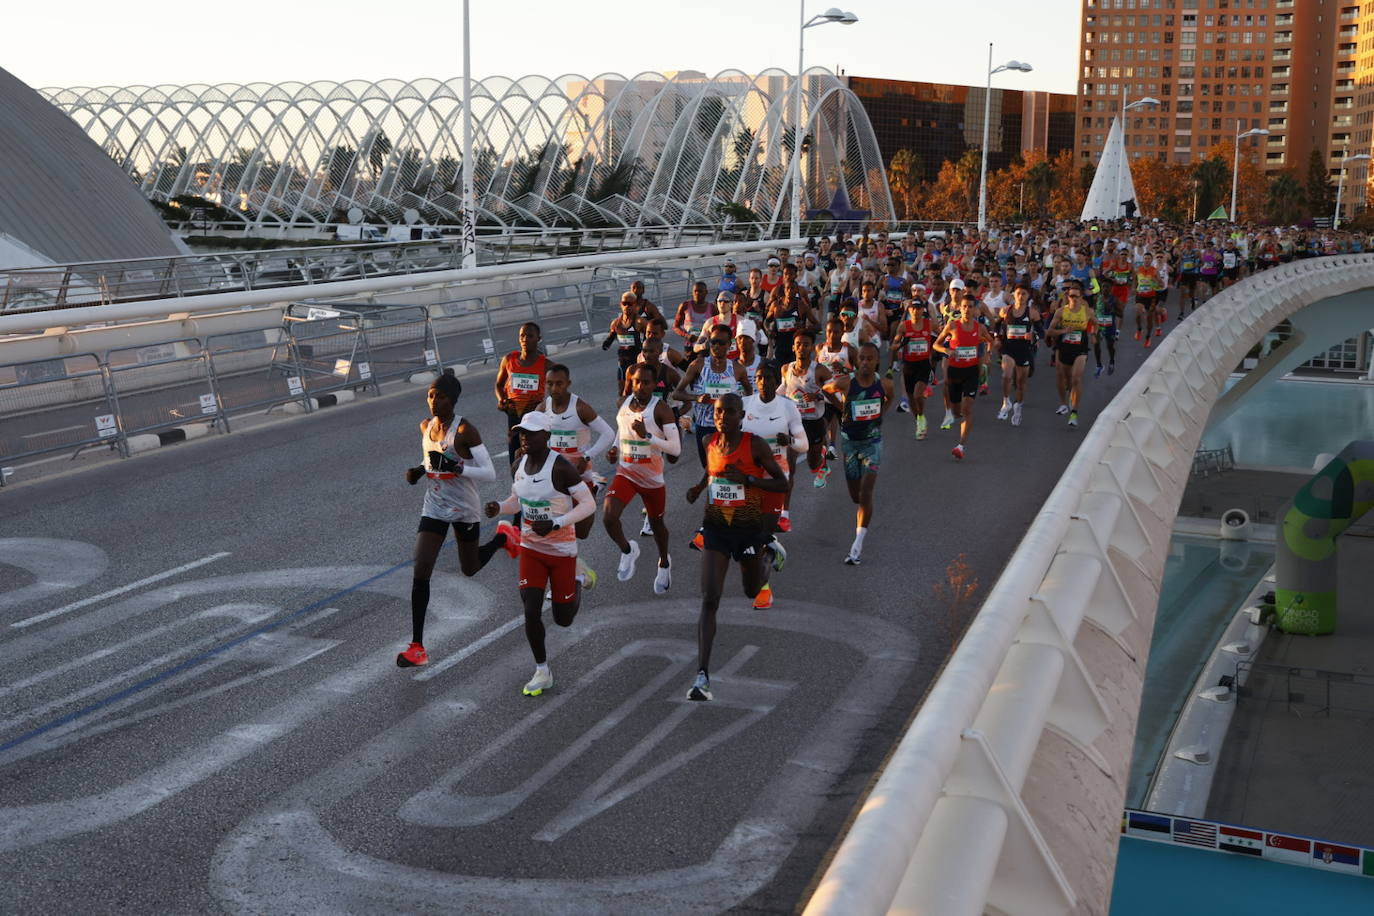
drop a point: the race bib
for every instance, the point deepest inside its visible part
(716, 389)
(1018, 332)
(1073, 337)
(634, 451)
(787, 324)
(626, 341)
(524, 381)
(866, 409)
(563, 440)
(778, 450)
(966, 353)
(917, 346)
(805, 405)
(725, 493)
(536, 510)
(1106, 320)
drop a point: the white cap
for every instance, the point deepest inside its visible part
(957, 283)
(536, 421)
(729, 262)
(774, 262)
(746, 327)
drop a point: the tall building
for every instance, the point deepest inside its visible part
(1219, 68)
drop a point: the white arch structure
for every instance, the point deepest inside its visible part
(645, 150)
(1005, 794)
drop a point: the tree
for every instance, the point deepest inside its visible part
(1321, 194)
(1285, 199)
(902, 176)
(1067, 197)
(1212, 180)
(1039, 181)
(1160, 190)
(947, 198)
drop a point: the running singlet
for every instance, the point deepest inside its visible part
(1075, 322)
(963, 346)
(540, 501)
(732, 505)
(730, 283)
(863, 410)
(1210, 264)
(713, 384)
(1018, 329)
(837, 360)
(640, 463)
(716, 321)
(1146, 280)
(767, 419)
(525, 384)
(696, 319)
(568, 435)
(916, 342)
(892, 292)
(449, 497)
(1188, 262)
(803, 391)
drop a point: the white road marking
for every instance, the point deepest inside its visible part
(50, 432)
(55, 565)
(95, 599)
(435, 670)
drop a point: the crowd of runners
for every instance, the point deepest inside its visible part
(791, 364)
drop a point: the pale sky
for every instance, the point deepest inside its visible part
(86, 43)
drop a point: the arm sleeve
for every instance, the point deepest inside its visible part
(604, 437)
(479, 467)
(583, 506)
(796, 430)
(669, 443)
(510, 504)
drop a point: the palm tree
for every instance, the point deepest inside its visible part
(903, 175)
(1284, 199)
(1040, 181)
(1213, 180)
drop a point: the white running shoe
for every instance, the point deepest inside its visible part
(645, 530)
(1016, 414)
(1005, 411)
(701, 688)
(1061, 410)
(948, 421)
(852, 559)
(663, 578)
(541, 681)
(626, 570)
(905, 406)
(779, 554)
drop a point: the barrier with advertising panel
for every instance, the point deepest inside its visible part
(52, 405)
(163, 386)
(1249, 841)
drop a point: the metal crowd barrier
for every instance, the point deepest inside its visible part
(159, 387)
(331, 348)
(76, 388)
(255, 370)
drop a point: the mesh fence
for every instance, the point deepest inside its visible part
(331, 348)
(55, 405)
(253, 370)
(161, 386)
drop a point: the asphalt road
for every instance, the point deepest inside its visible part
(199, 709)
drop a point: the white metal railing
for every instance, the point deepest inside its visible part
(1031, 694)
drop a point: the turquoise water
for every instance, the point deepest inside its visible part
(1205, 581)
(1288, 423)
(1156, 878)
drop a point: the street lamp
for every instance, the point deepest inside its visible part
(1340, 186)
(1125, 160)
(1235, 165)
(1020, 67)
(469, 241)
(830, 15)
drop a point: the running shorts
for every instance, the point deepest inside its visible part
(915, 373)
(462, 531)
(1230, 273)
(1188, 279)
(815, 430)
(538, 570)
(739, 544)
(862, 456)
(1070, 352)
(961, 382)
(655, 498)
(1018, 351)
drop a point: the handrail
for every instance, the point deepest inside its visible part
(946, 829)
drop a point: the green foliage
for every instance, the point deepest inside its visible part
(1321, 193)
(1285, 199)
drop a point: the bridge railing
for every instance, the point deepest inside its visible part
(1006, 791)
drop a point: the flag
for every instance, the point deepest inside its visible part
(1149, 826)
(1238, 839)
(1218, 213)
(1368, 868)
(1290, 849)
(1333, 856)
(1195, 833)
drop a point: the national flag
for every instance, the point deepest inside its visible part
(1195, 833)
(1368, 867)
(1238, 839)
(1331, 855)
(1149, 826)
(1290, 849)
(1218, 213)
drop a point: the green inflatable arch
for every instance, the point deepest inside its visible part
(1326, 505)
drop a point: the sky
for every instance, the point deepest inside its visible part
(87, 43)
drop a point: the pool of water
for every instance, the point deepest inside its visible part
(1288, 423)
(1205, 581)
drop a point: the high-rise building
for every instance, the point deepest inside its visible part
(1219, 68)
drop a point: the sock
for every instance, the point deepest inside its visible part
(419, 603)
(859, 534)
(702, 672)
(487, 551)
(541, 668)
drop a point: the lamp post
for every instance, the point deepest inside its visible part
(469, 243)
(1125, 160)
(1020, 67)
(830, 15)
(1340, 186)
(1235, 165)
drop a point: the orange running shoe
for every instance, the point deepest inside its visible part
(764, 599)
(413, 657)
(512, 538)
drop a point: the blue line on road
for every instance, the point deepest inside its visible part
(190, 662)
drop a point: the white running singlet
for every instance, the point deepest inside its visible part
(640, 462)
(449, 497)
(541, 501)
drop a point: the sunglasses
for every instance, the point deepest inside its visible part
(720, 342)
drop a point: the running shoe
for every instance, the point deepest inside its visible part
(830, 453)
(957, 452)
(1097, 373)
(1159, 332)
(512, 534)
(929, 391)
(1061, 410)
(764, 599)
(625, 572)
(904, 407)
(646, 530)
(1016, 414)
(698, 542)
(1137, 335)
(701, 688)
(819, 477)
(948, 421)
(586, 575)
(541, 681)
(1147, 343)
(1005, 411)
(784, 523)
(663, 578)
(413, 657)
(1073, 418)
(983, 390)
(779, 554)
(852, 559)
(1111, 368)
(921, 427)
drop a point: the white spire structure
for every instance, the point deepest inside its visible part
(1112, 183)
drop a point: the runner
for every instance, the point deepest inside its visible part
(895, 290)
(647, 430)
(520, 383)
(1070, 329)
(863, 401)
(692, 314)
(730, 281)
(778, 421)
(572, 423)
(1016, 327)
(911, 348)
(803, 382)
(725, 317)
(627, 333)
(787, 313)
(1147, 287)
(454, 461)
(739, 471)
(839, 357)
(644, 308)
(1108, 315)
(707, 378)
(1188, 264)
(551, 499)
(959, 341)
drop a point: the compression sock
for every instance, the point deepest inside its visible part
(858, 547)
(488, 550)
(419, 603)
